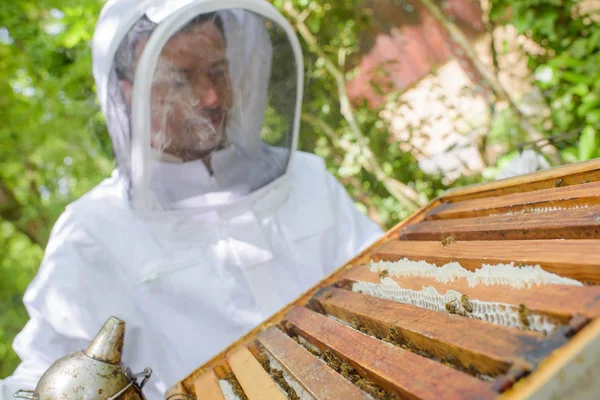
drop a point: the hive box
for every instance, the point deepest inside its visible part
(406, 330)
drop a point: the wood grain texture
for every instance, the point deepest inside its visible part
(587, 194)
(207, 387)
(255, 381)
(566, 224)
(489, 348)
(399, 371)
(558, 301)
(572, 174)
(310, 372)
(577, 259)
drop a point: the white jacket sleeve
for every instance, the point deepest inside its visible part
(76, 289)
(525, 163)
(354, 230)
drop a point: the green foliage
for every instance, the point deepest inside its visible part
(53, 142)
(337, 25)
(18, 263)
(566, 68)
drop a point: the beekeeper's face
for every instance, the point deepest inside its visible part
(191, 93)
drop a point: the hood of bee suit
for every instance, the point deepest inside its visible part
(202, 99)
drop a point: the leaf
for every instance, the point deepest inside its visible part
(578, 48)
(594, 40)
(581, 89)
(73, 35)
(564, 60)
(588, 104)
(570, 154)
(498, 11)
(546, 24)
(593, 117)
(576, 77)
(587, 143)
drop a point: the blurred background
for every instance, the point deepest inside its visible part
(404, 99)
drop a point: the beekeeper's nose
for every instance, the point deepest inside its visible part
(205, 92)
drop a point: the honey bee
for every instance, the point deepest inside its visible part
(558, 182)
(383, 273)
(446, 242)
(451, 306)
(523, 314)
(287, 325)
(466, 303)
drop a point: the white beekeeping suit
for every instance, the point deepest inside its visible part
(525, 162)
(212, 220)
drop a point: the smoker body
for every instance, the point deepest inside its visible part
(95, 373)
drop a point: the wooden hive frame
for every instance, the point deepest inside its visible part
(337, 343)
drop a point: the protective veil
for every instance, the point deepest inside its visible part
(212, 220)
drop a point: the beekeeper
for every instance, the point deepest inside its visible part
(212, 220)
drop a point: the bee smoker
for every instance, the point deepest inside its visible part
(95, 373)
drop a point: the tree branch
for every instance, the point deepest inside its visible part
(406, 195)
(10, 210)
(457, 35)
(547, 141)
(393, 186)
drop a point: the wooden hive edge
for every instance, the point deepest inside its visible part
(186, 385)
(551, 173)
(571, 369)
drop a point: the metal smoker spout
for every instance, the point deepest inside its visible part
(107, 346)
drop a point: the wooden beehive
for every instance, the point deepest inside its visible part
(335, 342)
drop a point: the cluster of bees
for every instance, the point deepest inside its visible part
(465, 306)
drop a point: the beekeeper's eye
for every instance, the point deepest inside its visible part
(179, 81)
(219, 70)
